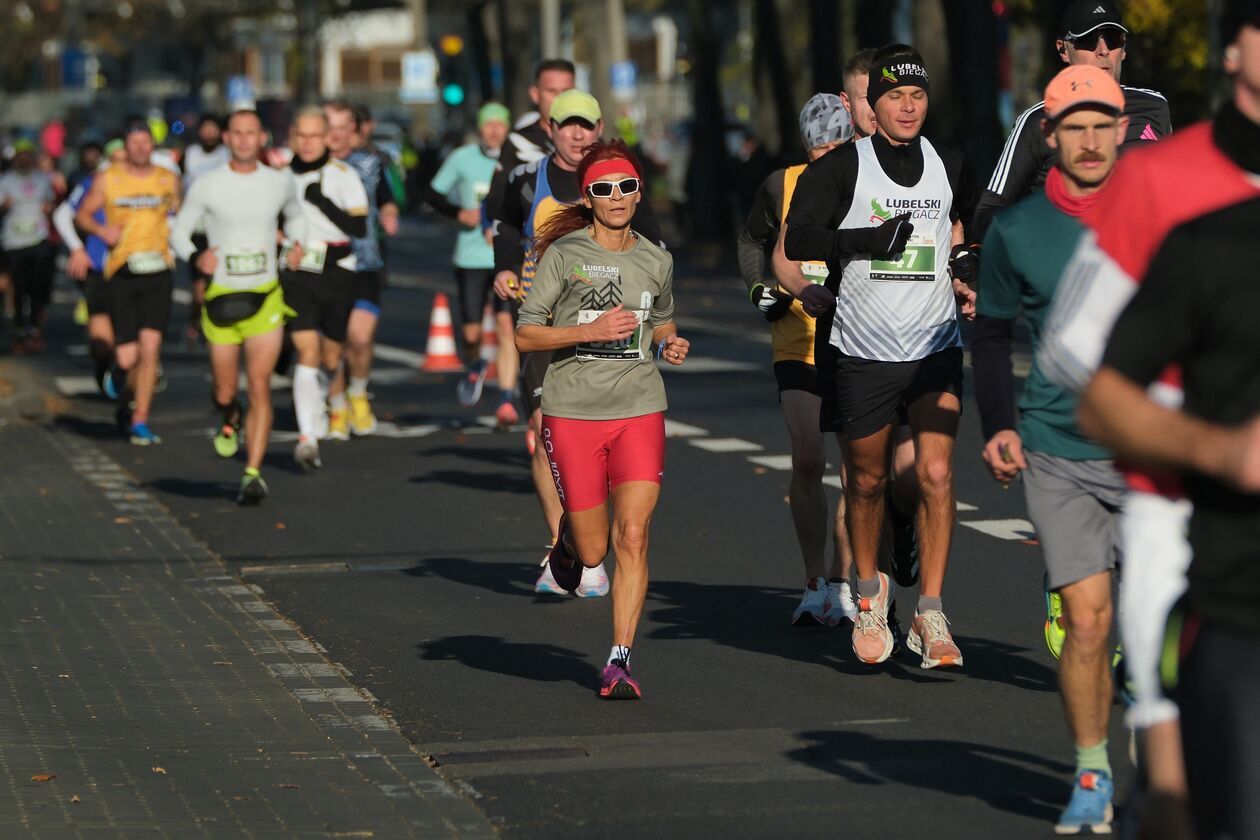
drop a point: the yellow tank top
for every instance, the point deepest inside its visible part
(141, 206)
(793, 334)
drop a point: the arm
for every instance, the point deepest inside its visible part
(186, 222)
(822, 199)
(92, 204)
(997, 306)
(666, 342)
(1023, 161)
(761, 226)
(509, 249)
(63, 221)
(441, 203)
(353, 223)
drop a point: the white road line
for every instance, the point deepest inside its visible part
(1004, 529)
(76, 386)
(833, 481)
(964, 507)
(399, 355)
(705, 364)
(725, 445)
(773, 462)
(675, 429)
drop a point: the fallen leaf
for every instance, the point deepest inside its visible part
(223, 662)
(759, 470)
(43, 777)
(241, 798)
(161, 771)
(280, 526)
(43, 491)
(75, 800)
(287, 786)
(122, 520)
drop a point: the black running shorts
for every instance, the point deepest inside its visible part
(322, 301)
(367, 290)
(139, 302)
(861, 396)
(474, 287)
(96, 293)
(795, 375)
(533, 371)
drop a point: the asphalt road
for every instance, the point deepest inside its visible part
(411, 558)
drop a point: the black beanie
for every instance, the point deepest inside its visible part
(903, 69)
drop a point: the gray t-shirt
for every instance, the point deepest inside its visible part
(577, 281)
(25, 224)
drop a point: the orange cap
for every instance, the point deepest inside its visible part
(1082, 84)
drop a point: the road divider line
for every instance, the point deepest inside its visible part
(725, 445)
(675, 429)
(1004, 529)
(773, 462)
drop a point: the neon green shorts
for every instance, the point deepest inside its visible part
(270, 316)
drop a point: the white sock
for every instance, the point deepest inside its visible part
(337, 402)
(358, 386)
(308, 400)
(619, 652)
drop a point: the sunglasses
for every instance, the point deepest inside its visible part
(1114, 39)
(604, 189)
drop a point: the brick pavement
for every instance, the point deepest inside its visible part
(167, 698)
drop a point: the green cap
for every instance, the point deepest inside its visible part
(113, 146)
(575, 104)
(493, 112)
(23, 145)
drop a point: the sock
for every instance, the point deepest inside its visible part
(253, 471)
(868, 588)
(623, 653)
(358, 386)
(1093, 758)
(508, 395)
(337, 402)
(308, 402)
(926, 603)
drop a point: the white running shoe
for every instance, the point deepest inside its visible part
(306, 453)
(808, 615)
(840, 604)
(546, 583)
(594, 583)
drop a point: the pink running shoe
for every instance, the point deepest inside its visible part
(617, 684)
(872, 638)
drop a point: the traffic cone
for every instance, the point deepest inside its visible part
(440, 353)
(490, 345)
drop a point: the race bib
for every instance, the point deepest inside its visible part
(245, 263)
(480, 191)
(147, 262)
(25, 227)
(629, 349)
(918, 261)
(313, 256)
(815, 272)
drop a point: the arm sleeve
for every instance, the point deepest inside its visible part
(997, 305)
(1016, 172)
(63, 220)
(663, 306)
(822, 198)
(439, 202)
(761, 226)
(546, 290)
(352, 219)
(492, 206)
(186, 221)
(509, 251)
(384, 195)
(966, 199)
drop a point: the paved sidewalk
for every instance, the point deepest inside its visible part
(145, 693)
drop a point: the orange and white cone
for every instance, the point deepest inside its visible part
(490, 345)
(440, 353)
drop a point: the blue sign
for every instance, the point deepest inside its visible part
(419, 77)
(240, 91)
(625, 78)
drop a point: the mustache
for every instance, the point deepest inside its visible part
(1089, 157)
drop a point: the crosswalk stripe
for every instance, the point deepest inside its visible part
(725, 445)
(1004, 529)
(773, 462)
(675, 429)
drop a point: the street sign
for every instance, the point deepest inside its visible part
(625, 79)
(419, 77)
(240, 92)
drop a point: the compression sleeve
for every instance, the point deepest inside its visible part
(995, 382)
(186, 221)
(761, 227)
(440, 203)
(63, 221)
(509, 249)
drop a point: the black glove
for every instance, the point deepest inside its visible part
(772, 303)
(890, 238)
(964, 263)
(817, 300)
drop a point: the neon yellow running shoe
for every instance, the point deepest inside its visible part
(1055, 634)
(81, 312)
(338, 424)
(227, 441)
(362, 420)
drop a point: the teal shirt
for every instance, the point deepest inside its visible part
(465, 179)
(1024, 254)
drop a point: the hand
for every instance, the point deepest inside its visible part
(207, 260)
(110, 234)
(489, 234)
(469, 218)
(614, 325)
(389, 219)
(964, 263)
(966, 297)
(506, 285)
(675, 350)
(890, 238)
(295, 256)
(817, 300)
(1004, 453)
(79, 264)
(771, 302)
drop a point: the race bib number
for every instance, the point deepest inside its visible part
(480, 191)
(25, 227)
(313, 256)
(918, 261)
(815, 272)
(245, 263)
(629, 349)
(147, 262)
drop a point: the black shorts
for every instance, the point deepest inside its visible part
(473, 286)
(533, 371)
(795, 375)
(96, 293)
(201, 243)
(367, 291)
(322, 301)
(861, 396)
(138, 302)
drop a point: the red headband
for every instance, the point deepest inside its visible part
(612, 166)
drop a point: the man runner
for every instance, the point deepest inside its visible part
(877, 364)
(825, 124)
(206, 155)
(1073, 489)
(26, 200)
(238, 205)
(138, 198)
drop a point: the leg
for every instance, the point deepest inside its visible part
(1084, 669)
(224, 372)
(905, 480)
(146, 372)
(308, 397)
(360, 336)
(508, 361)
(545, 485)
(805, 492)
(261, 352)
(842, 560)
(934, 421)
(866, 464)
(633, 504)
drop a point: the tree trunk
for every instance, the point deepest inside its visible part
(825, 49)
(770, 64)
(515, 49)
(708, 179)
(972, 31)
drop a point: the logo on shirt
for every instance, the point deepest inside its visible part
(878, 213)
(592, 274)
(1148, 133)
(140, 202)
(918, 208)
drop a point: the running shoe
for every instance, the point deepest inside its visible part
(905, 544)
(565, 570)
(872, 637)
(362, 420)
(594, 583)
(227, 441)
(1056, 635)
(930, 638)
(253, 489)
(1089, 810)
(840, 606)
(617, 684)
(81, 312)
(894, 625)
(468, 391)
(1126, 691)
(160, 384)
(306, 453)
(808, 614)
(505, 416)
(531, 441)
(338, 424)
(546, 583)
(142, 435)
(113, 383)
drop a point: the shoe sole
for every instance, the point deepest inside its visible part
(1095, 828)
(250, 499)
(596, 593)
(362, 432)
(225, 451)
(916, 646)
(138, 441)
(620, 690)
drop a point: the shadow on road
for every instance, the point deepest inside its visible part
(93, 429)
(1001, 778)
(500, 578)
(538, 662)
(190, 489)
(495, 482)
(499, 456)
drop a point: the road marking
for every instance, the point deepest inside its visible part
(718, 328)
(706, 364)
(76, 386)
(1004, 529)
(963, 507)
(725, 445)
(675, 429)
(399, 355)
(384, 429)
(773, 462)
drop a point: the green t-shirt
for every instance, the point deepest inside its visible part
(577, 281)
(1024, 254)
(464, 179)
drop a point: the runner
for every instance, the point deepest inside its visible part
(874, 366)
(602, 304)
(534, 193)
(26, 200)
(457, 191)
(321, 290)
(1093, 34)
(856, 74)
(207, 154)
(346, 143)
(825, 124)
(1197, 171)
(238, 205)
(86, 265)
(1073, 490)
(137, 198)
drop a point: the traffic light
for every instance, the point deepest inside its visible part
(451, 79)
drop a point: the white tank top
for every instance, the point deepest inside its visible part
(903, 310)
